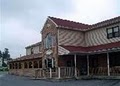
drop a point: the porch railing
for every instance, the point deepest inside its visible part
(115, 71)
(60, 72)
(67, 72)
(98, 71)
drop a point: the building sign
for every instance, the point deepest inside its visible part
(48, 52)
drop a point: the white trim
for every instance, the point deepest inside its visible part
(46, 21)
(52, 21)
(62, 51)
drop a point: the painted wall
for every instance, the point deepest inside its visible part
(71, 37)
(36, 49)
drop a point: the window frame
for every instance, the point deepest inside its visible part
(113, 32)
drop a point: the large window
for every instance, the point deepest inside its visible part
(113, 32)
(48, 41)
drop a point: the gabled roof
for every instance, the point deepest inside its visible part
(93, 48)
(106, 22)
(69, 24)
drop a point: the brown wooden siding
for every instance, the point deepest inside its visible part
(70, 37)
(99, 36)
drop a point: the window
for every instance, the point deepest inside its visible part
(30, 64)
(116, 32)
(113, 32)
(19, 65)
(49, 63)
(32, 52)
(40, 64)
(48, 41)
(35, 64)
(13, 66)
(25, 65)
(10, 66)
(16, 66)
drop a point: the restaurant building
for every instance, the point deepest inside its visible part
(71, 49)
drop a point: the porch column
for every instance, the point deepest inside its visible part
(59, 73)
(75, 66)
(50, 73)
(88, 67)
(108, 66)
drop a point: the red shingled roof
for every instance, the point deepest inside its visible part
(81, 26)
(33, 45)
(69, 24)
(92, 48)
(26, 57)
(106, 22)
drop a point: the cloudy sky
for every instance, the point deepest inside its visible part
(22, 20)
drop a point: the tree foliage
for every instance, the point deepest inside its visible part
(0, 54)
(5, 56)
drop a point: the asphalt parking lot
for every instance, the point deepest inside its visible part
(12, 80)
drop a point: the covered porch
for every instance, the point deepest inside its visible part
(92, 64)
(104, 64)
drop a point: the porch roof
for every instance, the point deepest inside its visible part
(28, 57)
(91, 49)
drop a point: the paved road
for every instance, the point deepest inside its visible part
(11, 80)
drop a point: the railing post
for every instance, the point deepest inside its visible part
(59, 73)
(50, 73)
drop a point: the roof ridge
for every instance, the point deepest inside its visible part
(69, 20)
(109, 19)
(73, 25)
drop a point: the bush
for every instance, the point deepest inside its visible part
(3, 69)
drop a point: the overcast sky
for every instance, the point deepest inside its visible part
(22, 20)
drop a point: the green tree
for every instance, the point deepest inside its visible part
(0, 54)
(5, 56)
